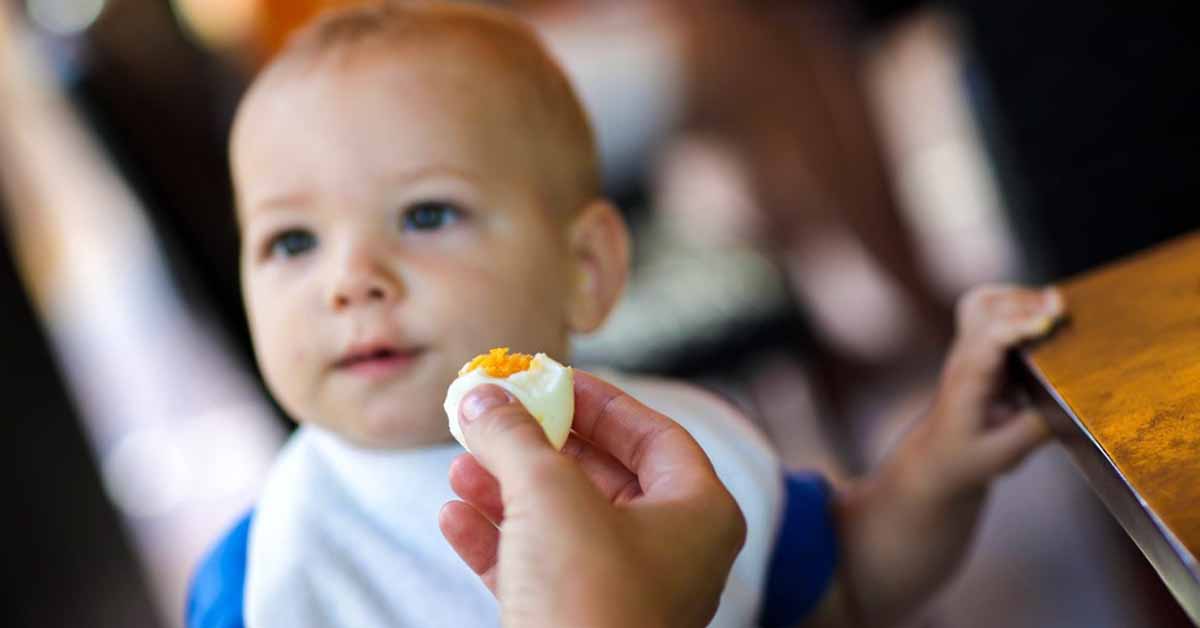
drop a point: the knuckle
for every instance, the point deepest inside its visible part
(573, 447)
(990, 301)
(981, 294)
(970, 304)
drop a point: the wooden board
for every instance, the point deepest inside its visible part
(1119, 382)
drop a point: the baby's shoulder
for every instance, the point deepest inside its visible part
(707, 416)
(741, 454)
(746, 463)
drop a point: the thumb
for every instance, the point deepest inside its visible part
(502, 435)
(1006, 446)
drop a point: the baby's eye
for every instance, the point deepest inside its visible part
(292, 243)
(429, 216)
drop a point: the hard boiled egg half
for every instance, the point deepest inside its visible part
(542, 385)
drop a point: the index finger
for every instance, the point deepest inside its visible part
(991, 321)
(648, 443)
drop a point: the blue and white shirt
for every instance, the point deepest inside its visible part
(343, 536)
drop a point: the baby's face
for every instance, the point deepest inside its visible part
(392, 227)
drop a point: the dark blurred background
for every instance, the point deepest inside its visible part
(811, 185)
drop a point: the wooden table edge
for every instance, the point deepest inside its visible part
(1176, 565)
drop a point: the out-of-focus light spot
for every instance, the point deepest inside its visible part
(145, 473)
(219, 24)
(64, 17)
(224, 455)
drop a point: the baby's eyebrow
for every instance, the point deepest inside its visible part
(250, 213)
(301, 199)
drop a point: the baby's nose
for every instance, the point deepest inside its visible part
(363, 284)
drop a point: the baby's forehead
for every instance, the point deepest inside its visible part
(478, 72)
(378, 109)
(492, 71)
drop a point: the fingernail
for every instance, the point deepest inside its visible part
(481, 399)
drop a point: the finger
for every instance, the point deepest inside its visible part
(505, 439)
(617, 484)
(647, 443)
(992, 320)
(473, 538)
(471, 482)
(985, 305)
(1003, 447)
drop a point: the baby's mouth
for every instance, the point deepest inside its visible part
(377, 359)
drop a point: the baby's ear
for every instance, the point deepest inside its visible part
(599, 248)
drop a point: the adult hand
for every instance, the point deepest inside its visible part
(627, 526)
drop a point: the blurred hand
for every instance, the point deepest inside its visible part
(916, 514)
(627, 526)
(979, 426)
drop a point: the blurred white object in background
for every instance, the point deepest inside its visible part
(65, 17)
(182, 432)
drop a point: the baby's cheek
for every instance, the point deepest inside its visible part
(476, 305)
(457, 292)
(285, 356)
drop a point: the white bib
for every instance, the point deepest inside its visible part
(344, 536)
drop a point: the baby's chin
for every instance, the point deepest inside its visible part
(391, 431)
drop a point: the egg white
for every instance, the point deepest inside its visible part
(546, 390)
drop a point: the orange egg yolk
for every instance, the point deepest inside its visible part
(498, 363)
